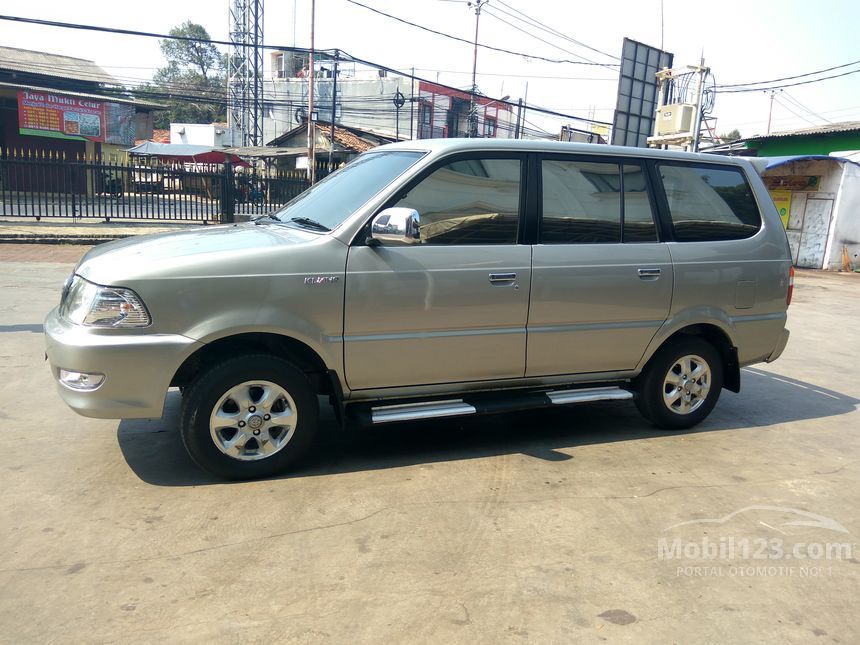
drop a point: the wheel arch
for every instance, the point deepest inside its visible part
(720, 340)
(323, 379)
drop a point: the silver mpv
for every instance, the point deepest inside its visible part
(430, 279)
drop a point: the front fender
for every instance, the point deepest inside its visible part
(327, 345)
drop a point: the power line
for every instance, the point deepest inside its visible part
(793, 100)
(341, 54)
(788, 107)
(540, 25)
(558, 78)
(468, 42)
(852, 108)
(185, 91)
(778, 87)
(536, 37)
(148, 34)
(788, 78)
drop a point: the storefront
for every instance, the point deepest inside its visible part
(818, 199)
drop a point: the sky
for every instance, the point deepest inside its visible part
(742, 41)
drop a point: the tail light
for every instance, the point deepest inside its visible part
(790, 286)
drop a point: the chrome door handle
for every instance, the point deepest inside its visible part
(503, 279)
(652, 273)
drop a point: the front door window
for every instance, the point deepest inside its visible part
(469, 201)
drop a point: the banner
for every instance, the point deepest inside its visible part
(796, 183)
(46, 114)
(782, 201)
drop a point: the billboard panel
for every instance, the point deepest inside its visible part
(637, 93)
(46, 114)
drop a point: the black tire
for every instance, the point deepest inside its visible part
(652, 388)
(200, 400)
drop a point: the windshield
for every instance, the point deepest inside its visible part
(340, 194)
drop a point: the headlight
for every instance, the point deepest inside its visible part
(96, 306)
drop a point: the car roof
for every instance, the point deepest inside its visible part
(443, 146)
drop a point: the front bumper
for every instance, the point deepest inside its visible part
(137, 366)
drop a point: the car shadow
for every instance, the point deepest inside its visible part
(153, 448)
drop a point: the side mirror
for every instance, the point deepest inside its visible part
(396, 226)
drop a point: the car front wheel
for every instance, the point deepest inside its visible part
(250, 416)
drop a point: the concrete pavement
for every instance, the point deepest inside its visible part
(526, 528)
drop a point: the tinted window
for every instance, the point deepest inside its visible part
(709, 204)
(581, 202)
(471, 201)
(638, 219)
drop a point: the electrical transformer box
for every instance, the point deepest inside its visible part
(676, 118)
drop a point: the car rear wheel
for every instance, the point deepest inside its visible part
(248, 417)
(681, 384)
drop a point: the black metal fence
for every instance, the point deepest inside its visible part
(47, 185)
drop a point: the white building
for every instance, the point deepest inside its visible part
(370, 103)
(216, 135)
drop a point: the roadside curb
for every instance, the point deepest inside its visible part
(88, 240)
(77, 233)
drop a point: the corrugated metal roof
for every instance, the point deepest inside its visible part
(266, 152)
(830, 128)
(347, 139)
(84, 95)
(65, 67)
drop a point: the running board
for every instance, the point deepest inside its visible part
(563, 397)
(485, 404)
(414, 411)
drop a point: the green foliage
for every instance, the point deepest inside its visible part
(201, 57)
(728, 137)
(193, 83)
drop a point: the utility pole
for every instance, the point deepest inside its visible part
(412, 108)
(770, 110)
(702, 72)
(473, 112)
(519, 118)
(523, 112)
(399, 102)
(333, 108)
(311, 124)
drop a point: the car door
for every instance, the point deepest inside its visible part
(601, 282)
(452, 308)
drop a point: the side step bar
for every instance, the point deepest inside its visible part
(496, 403)
(563, 397)
(414, 411)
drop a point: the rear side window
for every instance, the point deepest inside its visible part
(592, 202)
(709, 204)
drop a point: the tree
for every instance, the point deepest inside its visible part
(197, 55)
(192, 84)
(728, 137)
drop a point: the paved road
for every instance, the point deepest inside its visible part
(526, 528)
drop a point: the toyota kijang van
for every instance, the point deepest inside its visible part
(432, 279)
